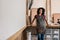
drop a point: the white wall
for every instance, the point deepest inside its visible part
(39, 3)
(12, 17)
(55, 6)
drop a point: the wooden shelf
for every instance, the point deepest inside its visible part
(54, 26)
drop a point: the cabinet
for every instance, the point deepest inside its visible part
(52, 34)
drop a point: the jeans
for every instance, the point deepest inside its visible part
(40, 36)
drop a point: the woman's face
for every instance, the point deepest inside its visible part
(40, 11)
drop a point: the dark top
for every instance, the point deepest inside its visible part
(40, 21)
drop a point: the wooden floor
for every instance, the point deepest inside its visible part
(33, 35)
(32, 30)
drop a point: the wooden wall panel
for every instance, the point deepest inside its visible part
(56, 16)
(20, 35)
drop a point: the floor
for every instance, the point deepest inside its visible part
(32, 34)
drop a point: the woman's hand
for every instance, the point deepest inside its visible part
(47, 25)
(31, 24)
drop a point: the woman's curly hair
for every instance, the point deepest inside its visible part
(43, 11)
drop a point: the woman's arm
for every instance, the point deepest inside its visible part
(33, 20)
(46, 20)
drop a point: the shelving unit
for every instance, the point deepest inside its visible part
(55, 33)
(52, 34)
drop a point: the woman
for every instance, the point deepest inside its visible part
(41, 23)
